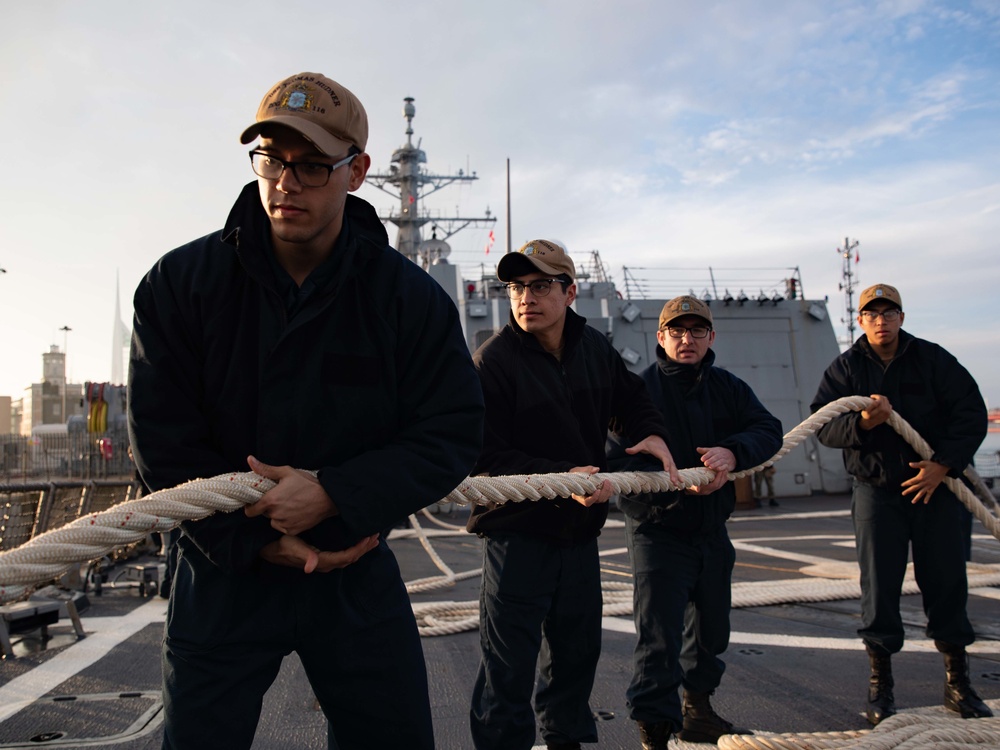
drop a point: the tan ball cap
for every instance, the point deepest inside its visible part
(320, 109)
(538, 255)
(878, 292)
(678, 307)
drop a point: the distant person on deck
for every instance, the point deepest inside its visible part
(552, 386)
(899, 500)
(760, 478)
(681, 554)
(296, 339)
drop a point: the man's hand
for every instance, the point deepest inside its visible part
(602, 494)
(721, 461)
(878, 413)
(717, 458)
(654, 446)
(296, 504)
(922, 486)
(721, 477)
(292, 552)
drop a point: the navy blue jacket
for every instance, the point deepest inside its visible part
(369, 381)
(704, 406)
(545, 415)
(926, 386)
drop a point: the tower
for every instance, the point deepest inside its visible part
(119, 341)
(408, 180)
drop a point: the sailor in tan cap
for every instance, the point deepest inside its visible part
(899, 500)
(552, 385)
(297, 339)
(680, 550)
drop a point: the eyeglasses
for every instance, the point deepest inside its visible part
(697, 332)
(308, 173)
(870, 316)
(538, 287)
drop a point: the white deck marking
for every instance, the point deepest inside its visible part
(105, 634)
(792, 516)
(621, 625)
(746, 546)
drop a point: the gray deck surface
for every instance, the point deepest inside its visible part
(791, 667)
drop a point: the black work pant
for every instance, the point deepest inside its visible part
(681, 600)
(353, 630)
(886, 526)
(539, 602)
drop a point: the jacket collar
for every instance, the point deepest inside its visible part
(572, 332)
(248, 230)
(690, 375)
(866, 350)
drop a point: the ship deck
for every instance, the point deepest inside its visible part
(792, 666)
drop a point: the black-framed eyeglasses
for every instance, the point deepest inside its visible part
(870, 316)
(308, 173)
(538, 287)
(697, 332)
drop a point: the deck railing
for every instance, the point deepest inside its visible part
(31, 508)
(76, 455)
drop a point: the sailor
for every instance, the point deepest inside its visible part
(680, 550)
(899, 500)
(296, 339)
(760, 478)
(552, 385)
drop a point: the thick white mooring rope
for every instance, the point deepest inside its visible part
(903, 731)
(51, 554)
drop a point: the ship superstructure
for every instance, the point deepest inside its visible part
(409, 181)
(769, 334)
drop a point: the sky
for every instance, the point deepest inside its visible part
(668, 135)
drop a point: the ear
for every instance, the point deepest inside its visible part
(661, 337)
(711, 337)
(570, 294)
(359, 168)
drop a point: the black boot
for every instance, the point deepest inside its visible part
(958, 693)
(654, 736)
(881, 703)
(701, 723)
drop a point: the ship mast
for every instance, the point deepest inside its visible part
(409, 182)
(848, 283)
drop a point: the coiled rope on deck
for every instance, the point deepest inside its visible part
(51, 554)
(902, 731)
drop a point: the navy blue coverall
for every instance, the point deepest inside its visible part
(938, 397)
(681, 554)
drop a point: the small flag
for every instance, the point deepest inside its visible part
(489, 244)
(857, 256)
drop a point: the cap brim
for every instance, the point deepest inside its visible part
(685, 315)
(320, 138)
(518, 264)
(871, 302)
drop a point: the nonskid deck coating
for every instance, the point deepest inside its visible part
(791, 667)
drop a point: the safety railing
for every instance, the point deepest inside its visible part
(31, 508)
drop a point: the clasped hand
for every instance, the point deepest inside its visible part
(295, 504)
(876, 414)
(721, 461)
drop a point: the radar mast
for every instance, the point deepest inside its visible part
(408, 180)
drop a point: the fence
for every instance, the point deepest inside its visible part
(31, 508)
(76, 455)
(987, 465)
